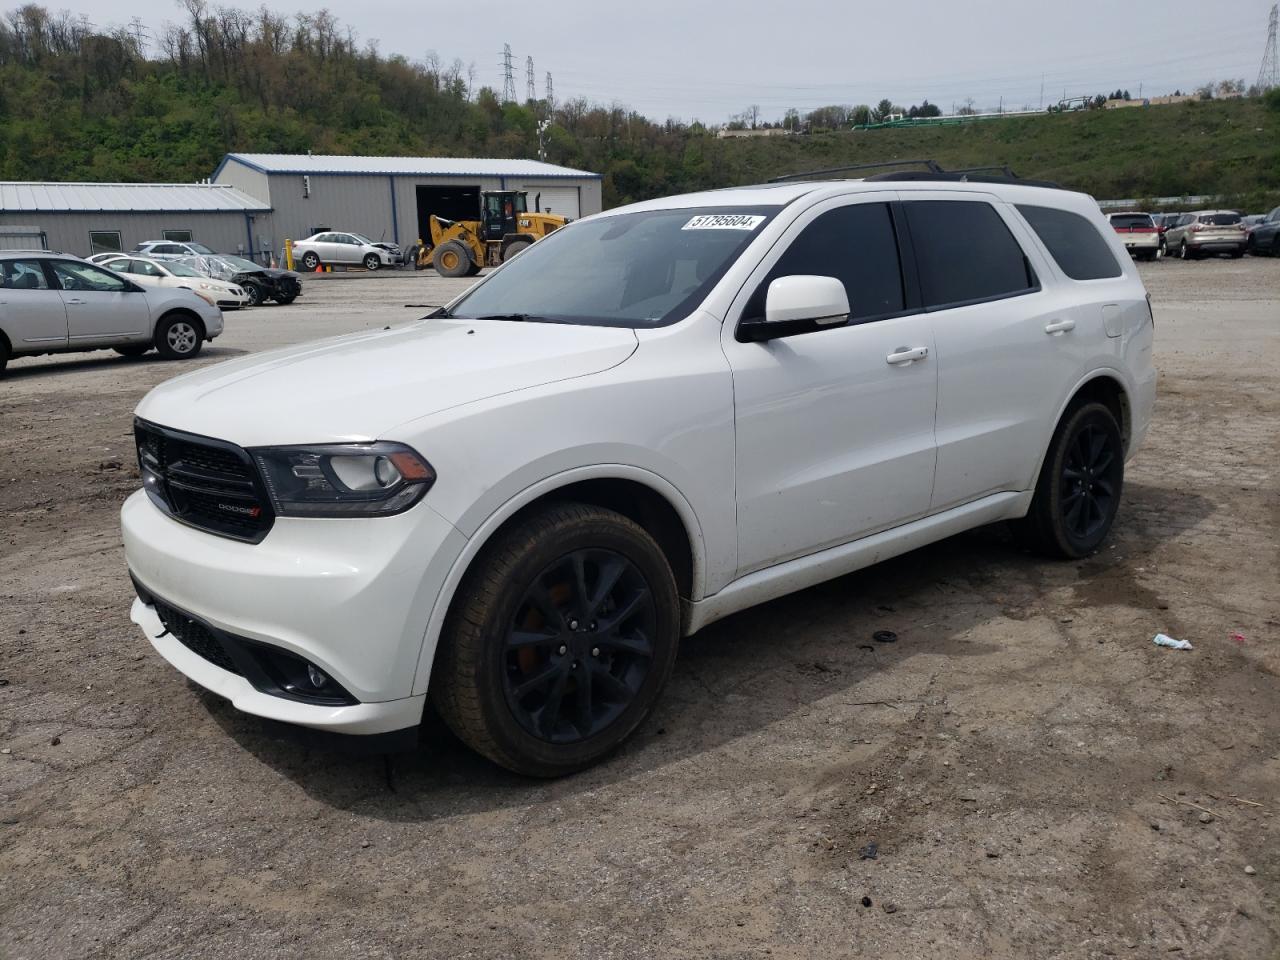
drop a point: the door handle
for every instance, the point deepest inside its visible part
(1059, 326)
(904, 355)
(77, 300)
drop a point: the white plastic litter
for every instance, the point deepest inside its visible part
(1161, 640)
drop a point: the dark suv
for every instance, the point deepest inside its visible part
(1265, 237)
(259, 283)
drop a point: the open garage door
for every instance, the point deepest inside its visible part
(562, 201)
(452, 203)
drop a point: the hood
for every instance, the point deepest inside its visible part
(354, 388)
(270, 272)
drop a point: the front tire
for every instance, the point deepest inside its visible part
(253, 294)
(372, 262)
(310, 260)
(559, 641)
(179, 337)
(1078, 492)
(452, 260)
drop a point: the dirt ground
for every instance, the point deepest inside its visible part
(1039, 779)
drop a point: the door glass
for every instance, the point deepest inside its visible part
(22, 275)
(104, 241)
(965, 252)
(85, 276)
(1073, 242)
(855, 244)
(522, 203)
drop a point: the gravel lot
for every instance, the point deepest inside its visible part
(1040, 779)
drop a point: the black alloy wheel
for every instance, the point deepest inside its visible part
(1089, 487)
(1078, 492)
(559, 640)
(579, 646)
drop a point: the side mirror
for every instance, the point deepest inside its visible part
(795, 305)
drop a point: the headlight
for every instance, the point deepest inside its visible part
(207, 286)
(344, 479)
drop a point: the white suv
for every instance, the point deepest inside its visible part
(651, 419)
(54, 303)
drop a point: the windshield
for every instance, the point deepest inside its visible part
(181, 269)
(360, 238)
(200, 248)
(634, 269)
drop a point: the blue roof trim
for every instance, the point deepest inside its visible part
(151, 211)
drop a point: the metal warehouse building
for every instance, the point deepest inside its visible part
(88, 218)
(392, 198)
(256, 200)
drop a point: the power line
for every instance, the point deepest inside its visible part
(1269, 72)
(508, 76)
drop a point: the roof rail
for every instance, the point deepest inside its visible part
(932, 165)
(995, 173)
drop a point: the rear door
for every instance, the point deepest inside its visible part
(1006, 342)
(101, 307)
(834, 435)
(31, 312)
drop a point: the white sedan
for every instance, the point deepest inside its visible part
(346, 248)
(169, 273)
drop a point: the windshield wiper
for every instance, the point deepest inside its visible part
(516, 317)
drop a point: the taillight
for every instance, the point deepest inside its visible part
(1196, 228)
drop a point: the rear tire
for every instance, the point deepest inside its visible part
(179, 337)
(452, 260)
(559, 641)
(285, 301)
(1184, 252)
(515, 247)
(1078, 492)
(133, 350)
(4, 355)
(1237, 254)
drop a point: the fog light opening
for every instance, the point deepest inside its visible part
(316, 676)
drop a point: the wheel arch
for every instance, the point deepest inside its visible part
(181, 312)
(644, 497)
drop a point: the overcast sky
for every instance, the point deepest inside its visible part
(707, 59)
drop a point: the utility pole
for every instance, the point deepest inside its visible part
(531, 92)
(508, 76)
(1042, 92)
(1269, 72)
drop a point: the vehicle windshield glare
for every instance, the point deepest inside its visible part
(643, 269)
(181, 269)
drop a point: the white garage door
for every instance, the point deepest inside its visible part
(562, 201)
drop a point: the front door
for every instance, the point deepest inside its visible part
(101, 307)
(834, 428)
(31, 311)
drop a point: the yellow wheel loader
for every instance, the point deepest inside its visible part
(459, 248)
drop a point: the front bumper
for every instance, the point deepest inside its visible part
(352, 597)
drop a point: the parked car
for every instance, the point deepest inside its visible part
(55, 303)
(1138, 233)
(1206, 233)
(650, 419)
(259, 283)
(172, 249)
(1264, 238)
(1163, 222)
(174, 273)
(345, 248)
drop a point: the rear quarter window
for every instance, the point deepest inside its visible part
(1074, 243)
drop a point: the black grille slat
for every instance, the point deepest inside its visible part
(195, 636)
(204, 482)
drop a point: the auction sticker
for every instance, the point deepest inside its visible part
(724, 221)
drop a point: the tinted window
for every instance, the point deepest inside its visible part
(104, 241)
(1220, 219)
(1130, 221)
(858, 246)
(180, 236)
(1073, 242)
(22, 275)
(85, 276)
(965, 252)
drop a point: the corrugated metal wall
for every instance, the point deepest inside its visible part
(69, 232)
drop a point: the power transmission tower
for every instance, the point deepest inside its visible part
(531, 91)
(551, 96)
(1269, 72)
(508, 76)
(139, 32)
